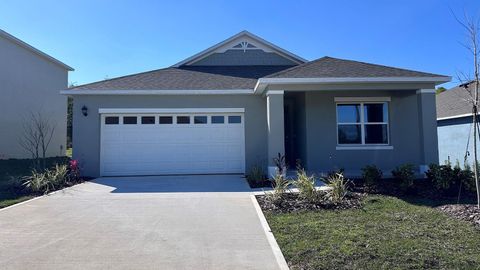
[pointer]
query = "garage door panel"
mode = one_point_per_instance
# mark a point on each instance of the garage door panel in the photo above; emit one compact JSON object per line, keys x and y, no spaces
{"x":141,"y":149}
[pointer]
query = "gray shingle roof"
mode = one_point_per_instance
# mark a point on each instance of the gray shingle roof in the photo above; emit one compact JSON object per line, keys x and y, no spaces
{"x":245,"y":77}
{"x":329,"y":67}
{"x":188,"y":78}
{"x":454,"y":102}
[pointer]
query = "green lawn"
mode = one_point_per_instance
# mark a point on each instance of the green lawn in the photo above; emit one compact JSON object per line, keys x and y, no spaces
{"x":388,"y":233}
{"x":8,"y":202}
{"x":11,"y":173}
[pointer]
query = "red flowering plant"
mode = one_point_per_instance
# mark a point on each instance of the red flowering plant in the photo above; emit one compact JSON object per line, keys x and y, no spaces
{"x":74,"y":170}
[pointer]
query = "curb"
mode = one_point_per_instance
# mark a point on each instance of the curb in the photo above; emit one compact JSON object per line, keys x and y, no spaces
{"x":277,"y":252}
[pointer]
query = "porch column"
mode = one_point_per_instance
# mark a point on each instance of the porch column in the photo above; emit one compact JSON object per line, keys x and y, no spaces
{"x":427,"y":116}
{"x":275,"y":121}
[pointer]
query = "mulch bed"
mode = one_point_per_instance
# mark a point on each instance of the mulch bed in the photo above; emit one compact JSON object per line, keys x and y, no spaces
{"x":467,"y":212}
{"x":292,"y":202}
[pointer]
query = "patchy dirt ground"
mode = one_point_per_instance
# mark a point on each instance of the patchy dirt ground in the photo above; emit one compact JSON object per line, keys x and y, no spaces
{"x":292,"y":202}
{"x":467,"y":212}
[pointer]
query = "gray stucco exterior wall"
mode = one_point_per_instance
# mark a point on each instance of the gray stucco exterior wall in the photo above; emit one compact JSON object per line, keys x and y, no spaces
{"x":30,"y":83}
{"x":276,"y":135}
{"x":453,"y":138}
{"x":86,"y":130}
{"x":315,"y":119}
{"x":321,"y":139}
{"x":244,"y":58}
{"x":428,"y":127}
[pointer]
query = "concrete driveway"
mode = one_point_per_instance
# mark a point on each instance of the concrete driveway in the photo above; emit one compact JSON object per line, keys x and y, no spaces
{"x":180,"y":222}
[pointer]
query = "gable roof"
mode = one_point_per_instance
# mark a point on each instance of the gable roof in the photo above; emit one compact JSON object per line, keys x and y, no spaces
{"x":238,"y":38}
{"x":454,"y":103}
{"x":329,"y":67}
{"x":34,"y":50}
{"x":191,"y":75}
{"x":188,"y":78}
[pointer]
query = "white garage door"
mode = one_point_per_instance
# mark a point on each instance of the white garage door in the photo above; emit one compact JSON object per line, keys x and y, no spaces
{"x":172,"y":142}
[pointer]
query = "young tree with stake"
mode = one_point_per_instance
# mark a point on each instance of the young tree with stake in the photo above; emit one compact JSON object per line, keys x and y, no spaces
{"x":471,"y":86}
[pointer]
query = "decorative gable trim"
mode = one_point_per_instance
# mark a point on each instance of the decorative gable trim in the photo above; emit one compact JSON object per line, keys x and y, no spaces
{"x":242,"y":41}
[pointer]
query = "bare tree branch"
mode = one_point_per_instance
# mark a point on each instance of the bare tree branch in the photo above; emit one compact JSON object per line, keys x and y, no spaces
{"x":37,"y":135}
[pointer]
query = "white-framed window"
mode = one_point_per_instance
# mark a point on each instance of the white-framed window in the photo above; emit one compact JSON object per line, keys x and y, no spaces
{"x":362,"y":123}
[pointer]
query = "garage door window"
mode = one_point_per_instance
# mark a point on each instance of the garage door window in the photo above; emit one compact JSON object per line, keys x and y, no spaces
{"x":200,"y":119}
{"x":183,"y":119}
{"x":234,"y":119}
{"x":111,"y":120}
{"x":165,"y":120}
{"x":129,"y":120}
{"x":148,"y":120}
{"x":218,"y":119}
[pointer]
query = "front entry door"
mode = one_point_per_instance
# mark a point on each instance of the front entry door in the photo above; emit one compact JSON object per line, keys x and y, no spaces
{"x":290,"y":136}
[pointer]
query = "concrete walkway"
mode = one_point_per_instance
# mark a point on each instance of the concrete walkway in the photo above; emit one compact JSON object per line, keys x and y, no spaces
{"x":181,"y":222}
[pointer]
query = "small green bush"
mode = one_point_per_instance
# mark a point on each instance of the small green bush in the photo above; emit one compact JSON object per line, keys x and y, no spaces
{"x":37,"y":182}
{"x":48,"y":180}
{"x":441,"y":176}
{"x":371,"y":175}
{"x":280,"y":187}
{"x":405,"y":174}
{"x":449,"y":180}
{"x":467,"y":178}
{"x":305,"y":185}
{"x":256,"y":176}
{"x":338,"y":187}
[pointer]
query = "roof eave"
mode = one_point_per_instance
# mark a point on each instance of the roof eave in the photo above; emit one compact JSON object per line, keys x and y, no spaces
{"x":263,"y":83}
{"x":154,"y":92}
{"x":454,"y":116}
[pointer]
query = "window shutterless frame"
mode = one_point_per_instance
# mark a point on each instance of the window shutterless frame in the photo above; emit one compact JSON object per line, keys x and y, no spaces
{"x":363,"y":122}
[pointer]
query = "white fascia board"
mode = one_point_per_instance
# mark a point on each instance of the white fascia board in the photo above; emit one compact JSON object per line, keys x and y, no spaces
{"x":426,"y":91}
{"x":455,"y":116}
{"x":157,"y":92}
{"x":275,"y":92}
{"x":170,"y":110}
{"x":262,"y":83}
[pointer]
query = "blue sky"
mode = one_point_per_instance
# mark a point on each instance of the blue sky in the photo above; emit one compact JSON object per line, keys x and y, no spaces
{"x":101,"y":38}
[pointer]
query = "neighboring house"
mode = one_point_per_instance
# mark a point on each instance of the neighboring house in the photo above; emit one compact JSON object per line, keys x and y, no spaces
{"x":454,"y":120}
{"x":244,"y":100}
{"x":29,"y":83}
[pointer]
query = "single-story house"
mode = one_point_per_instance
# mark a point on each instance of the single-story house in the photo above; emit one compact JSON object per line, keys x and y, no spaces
{"x":29,"y":84}
{"x":242,"y":101}
{"x":455,"y":127}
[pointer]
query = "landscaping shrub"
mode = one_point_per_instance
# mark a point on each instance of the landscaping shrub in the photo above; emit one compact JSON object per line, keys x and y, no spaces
{"x":449,"y":181}
{"x":49,"y":180}
{"x":305,"y":185}
{"x":441,"y":176}
{"x":256,"y":176}
{"x":280,"y":164}
{"x":467,"y":179}
{"x":371,"y":175}
{"x":37,"y":182}
{"x":280,"y":187}
{"x":338,"y":187}
{"x":405,"y":175}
